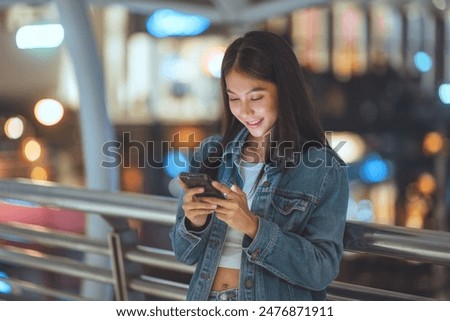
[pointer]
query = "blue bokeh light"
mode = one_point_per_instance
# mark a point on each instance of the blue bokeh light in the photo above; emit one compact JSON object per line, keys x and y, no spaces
{"x":5,"y":288}
{"x":423,"y":61}
{"x":175,"y":163}
{"x":170,"y":23}
{"x":374,"y":169}
{"x":444,"y":93}
{"x":215,"y":66}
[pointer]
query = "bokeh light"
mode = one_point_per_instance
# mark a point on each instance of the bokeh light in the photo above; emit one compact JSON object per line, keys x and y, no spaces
{"x":48,"y":111}
{"x":440,"y":4}
{"x":426,"y":183}
{"x":186,"y":136}
{"x":416,"y":211}
{"x":350,"y":146}
{"x":444,"y":93}
{"x":39,"y":173}
{"x":423,"y":61}
{"x":211,"y":61}
{"x":365,"y":211}
{"x":374,"y":169}
{"x":32,"y":150}
{"x":14,"y":127}
{"x":132,"y":179}
{"x":433,"y":143}
{"x":39,"y":36}
{"x":175,"y":163}
{"x":169,"y":23}
{"x":5,"y":287}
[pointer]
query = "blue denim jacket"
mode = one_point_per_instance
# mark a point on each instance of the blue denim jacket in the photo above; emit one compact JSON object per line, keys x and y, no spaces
{"x":297,"y":249}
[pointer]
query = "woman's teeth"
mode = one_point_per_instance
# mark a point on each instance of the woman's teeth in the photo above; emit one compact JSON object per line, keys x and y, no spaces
{"x":254,"y":123}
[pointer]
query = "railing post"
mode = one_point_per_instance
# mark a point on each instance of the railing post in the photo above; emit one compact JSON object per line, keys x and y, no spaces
{"x":119,"y":242}
{"x":96,"y":128}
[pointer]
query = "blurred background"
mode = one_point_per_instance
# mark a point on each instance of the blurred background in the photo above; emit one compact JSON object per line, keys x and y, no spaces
{"x":379,"y":73}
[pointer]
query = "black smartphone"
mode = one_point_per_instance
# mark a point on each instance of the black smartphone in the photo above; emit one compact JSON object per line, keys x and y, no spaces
{"x":201,"y":180}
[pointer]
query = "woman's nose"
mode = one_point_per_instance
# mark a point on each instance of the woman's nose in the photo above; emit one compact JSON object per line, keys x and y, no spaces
{"x":246,"y":109}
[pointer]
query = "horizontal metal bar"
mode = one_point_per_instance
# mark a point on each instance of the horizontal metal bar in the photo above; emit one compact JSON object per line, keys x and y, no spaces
{"x":164,"y":289}
{"x":399,"y":242}
{"x":153,"y":257}
{"x":353,"y":290}
{"x":52,"y":238}
{"x":145,"y":7}
{"x":38,"y":289}
{"x":37,"y":260}
{"x":393,"y":241}
{"x":158,"y":258}
{"x":332,"y":297}
{"x":157,"y":209}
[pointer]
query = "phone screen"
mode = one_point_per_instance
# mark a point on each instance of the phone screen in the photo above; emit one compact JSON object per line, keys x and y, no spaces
{"x":201,"y":180}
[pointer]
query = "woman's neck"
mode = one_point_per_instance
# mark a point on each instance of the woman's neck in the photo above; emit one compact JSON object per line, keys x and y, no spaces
{"x":254,"y":151}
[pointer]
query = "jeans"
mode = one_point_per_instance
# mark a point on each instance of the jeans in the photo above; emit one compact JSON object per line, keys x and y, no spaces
{"x":227,"y":295}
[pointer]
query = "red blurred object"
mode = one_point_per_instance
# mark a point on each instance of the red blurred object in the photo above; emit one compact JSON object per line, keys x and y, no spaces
{"x":58,"y":219}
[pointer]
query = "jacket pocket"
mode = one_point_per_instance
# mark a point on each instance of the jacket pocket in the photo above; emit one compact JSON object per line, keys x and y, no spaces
{"x":290,"y":210}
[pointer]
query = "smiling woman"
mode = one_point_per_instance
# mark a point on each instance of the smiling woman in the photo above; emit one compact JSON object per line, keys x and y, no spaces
{"x":277,"y":234}
{"x":253,"y":103}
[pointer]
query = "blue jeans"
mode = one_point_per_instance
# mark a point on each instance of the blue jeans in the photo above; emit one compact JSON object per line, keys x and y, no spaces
{"x":227,"y":295}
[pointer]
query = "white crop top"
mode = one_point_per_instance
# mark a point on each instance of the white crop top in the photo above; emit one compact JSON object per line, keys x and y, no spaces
{"x":232,"y":249}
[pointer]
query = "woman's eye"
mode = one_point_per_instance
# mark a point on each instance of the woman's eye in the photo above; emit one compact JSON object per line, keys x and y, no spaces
{"x":256,"y":98}
{"x":233,"y":99}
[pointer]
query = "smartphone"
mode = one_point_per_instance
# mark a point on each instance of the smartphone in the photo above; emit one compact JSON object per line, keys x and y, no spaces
{"x":201,"y":180}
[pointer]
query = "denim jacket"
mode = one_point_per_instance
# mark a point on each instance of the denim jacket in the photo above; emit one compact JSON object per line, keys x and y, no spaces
{"x":296,"y":252}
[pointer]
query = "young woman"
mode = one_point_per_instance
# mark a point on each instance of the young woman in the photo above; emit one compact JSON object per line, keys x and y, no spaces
{"x":277,"y":233}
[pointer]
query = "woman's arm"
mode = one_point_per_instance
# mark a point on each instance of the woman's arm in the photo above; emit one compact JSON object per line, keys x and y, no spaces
{"x":188,"y":243}
{"x":188,"y":240}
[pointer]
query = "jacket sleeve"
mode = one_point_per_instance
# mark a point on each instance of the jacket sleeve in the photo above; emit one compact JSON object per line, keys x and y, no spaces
{"x":311,"y":259}
{"x":189,"y":244}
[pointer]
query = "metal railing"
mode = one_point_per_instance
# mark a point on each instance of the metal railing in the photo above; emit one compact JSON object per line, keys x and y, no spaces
{"x":133,"y":272}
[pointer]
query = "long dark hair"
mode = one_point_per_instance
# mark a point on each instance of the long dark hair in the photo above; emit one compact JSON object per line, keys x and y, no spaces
{"x":266,"y":56}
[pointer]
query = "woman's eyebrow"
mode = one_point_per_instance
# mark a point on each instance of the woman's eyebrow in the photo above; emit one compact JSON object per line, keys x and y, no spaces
{"x":250,"y":91}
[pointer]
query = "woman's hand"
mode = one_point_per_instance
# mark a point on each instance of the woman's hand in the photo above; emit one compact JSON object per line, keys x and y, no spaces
{"x":195,"y":210}
{"x":234,"y":209}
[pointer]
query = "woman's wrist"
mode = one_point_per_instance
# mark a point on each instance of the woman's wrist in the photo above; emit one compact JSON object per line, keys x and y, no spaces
{"x":253,"y":227}
{"x":197,"y":227}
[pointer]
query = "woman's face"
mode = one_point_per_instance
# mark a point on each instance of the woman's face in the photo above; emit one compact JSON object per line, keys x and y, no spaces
{"x":253,"y":102}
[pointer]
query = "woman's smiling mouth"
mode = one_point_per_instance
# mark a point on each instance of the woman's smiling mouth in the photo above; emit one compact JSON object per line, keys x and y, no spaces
{"x":254,"y":123}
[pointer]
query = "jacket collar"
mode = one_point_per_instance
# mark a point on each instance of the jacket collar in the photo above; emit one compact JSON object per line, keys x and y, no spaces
{"x":234,"y":149}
